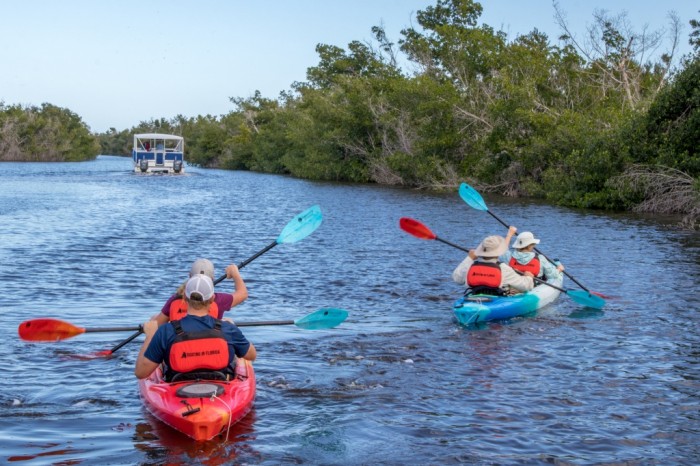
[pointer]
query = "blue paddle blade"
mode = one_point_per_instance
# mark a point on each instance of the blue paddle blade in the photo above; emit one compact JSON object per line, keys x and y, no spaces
{"x":586,"y":299}
{"x":472,"y":197}
{"x":301,"y":226}
{"x":323,"y":318}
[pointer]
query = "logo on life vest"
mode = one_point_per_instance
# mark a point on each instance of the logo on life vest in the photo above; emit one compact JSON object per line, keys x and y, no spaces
{"x":199,"y":354}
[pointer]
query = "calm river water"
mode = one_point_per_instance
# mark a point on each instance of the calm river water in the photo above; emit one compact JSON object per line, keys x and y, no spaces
{"x":399,"y":382}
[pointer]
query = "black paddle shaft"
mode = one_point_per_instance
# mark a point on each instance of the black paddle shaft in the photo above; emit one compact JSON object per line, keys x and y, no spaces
{"x":126,"y":341}
{"x":452,"y":244}
{"x":249,"y":260}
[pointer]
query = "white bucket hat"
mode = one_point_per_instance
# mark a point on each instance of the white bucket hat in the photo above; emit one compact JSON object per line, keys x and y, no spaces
{"x":492,"y":246}
{"x":524,"y":240}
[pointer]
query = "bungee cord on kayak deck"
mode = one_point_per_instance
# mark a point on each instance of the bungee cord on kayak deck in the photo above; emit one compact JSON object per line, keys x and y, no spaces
{"x":230,"y":416}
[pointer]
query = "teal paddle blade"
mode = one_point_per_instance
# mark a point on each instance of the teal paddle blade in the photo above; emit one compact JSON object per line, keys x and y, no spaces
{"x":586,"y":299}
{"x":323,"y":318}
{"x":472,"y":197}
{"x":301,"y":226}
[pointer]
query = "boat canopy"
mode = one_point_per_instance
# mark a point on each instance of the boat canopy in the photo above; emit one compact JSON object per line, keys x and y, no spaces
{"x":158,"y":141}
{"x":157,"y":136}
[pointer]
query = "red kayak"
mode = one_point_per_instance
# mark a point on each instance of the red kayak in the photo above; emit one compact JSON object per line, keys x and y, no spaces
{"x":200,"y":409}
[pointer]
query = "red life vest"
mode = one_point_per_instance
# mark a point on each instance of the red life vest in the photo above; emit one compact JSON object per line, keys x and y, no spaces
{"x":484,"y":274}
{"x":201,"y":350}
{"x":178,"y":309}
{"x":533,"y":266}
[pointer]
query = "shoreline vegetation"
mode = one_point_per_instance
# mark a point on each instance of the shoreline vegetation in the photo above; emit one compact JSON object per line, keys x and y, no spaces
{"x":591,"y":124}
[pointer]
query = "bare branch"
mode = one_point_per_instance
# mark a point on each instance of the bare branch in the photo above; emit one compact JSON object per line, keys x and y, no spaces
{"x":665,"y":190}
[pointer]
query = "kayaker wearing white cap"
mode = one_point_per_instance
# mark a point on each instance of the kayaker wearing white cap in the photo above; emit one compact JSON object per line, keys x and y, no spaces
{"x":525,"y":259}
{"x":483,"y":273}
{"x":197,"y":345}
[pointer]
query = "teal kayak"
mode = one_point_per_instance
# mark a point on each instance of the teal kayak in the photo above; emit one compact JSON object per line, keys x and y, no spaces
{"x":474,"y":309}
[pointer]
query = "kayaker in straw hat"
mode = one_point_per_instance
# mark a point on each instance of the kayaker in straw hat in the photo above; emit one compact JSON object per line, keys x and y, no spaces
{"x":483,"y":273}
{"x":198,"y":344}
{"x":525,"y":259}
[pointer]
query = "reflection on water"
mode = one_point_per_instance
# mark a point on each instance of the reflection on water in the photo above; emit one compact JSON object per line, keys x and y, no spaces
{"x":399,"y":382}
{"x":166,"y":445}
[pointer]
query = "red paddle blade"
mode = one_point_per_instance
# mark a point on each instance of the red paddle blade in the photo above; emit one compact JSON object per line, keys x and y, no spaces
{"x":47,"y":330}
{"x":416,"y":228}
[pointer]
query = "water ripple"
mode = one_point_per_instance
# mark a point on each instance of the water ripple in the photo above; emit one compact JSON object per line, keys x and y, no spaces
{"x":399,"y":382}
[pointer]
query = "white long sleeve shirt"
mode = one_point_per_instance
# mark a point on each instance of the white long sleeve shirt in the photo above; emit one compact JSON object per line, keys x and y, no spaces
{"x":509,"y":277}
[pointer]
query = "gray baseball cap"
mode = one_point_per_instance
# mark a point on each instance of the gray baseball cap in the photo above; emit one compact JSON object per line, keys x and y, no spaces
{"x":202,"y":266}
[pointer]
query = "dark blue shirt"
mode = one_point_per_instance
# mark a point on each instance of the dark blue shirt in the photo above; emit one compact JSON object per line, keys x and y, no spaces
{"x":159,"y":348}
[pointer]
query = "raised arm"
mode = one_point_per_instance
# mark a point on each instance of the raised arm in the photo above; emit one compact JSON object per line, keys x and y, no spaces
{"x":240,"y":292}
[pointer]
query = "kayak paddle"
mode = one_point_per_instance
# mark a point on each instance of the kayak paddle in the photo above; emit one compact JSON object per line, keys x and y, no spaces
{"x":419,"y":230}
{"x":323,"y":318}
{"x":475,"y":201}
{"x":584,"y":298}
{"x":48,"y":329}
{"x":297,"y":229}
{"x":301,"y":226}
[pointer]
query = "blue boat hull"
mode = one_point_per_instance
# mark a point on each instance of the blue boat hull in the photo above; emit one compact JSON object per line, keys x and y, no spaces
{"x":473,"y":309}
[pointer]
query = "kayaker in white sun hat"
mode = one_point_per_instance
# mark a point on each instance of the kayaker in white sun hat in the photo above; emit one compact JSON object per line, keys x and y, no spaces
{"x":524,"y":258}
{"x":483,"y":273}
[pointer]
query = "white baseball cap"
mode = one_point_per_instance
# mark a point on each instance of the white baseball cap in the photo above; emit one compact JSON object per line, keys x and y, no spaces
{"x":199,"y":287}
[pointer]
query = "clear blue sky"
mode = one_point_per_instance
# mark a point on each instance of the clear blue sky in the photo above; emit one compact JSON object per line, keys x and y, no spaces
{"x":119,"y":62}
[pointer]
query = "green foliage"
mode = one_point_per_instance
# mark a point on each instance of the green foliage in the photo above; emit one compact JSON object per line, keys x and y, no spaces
{"x":522,"y":117}
{"x":205,"y":140}
{"x":44,"y":134}
{"x":669,"y":132}
{"x":115,"y":142}
{"x":453,"y":44}
{"x":325,"y":133}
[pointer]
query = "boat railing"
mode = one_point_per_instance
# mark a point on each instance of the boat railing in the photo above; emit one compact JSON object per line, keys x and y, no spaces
{"x":151,"y":155}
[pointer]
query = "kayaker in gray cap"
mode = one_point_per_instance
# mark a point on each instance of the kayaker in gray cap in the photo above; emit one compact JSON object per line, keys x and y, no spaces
{"x":175,"y":307}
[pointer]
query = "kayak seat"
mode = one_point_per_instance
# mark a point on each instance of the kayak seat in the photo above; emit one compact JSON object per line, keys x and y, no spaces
{"x":200,"y":390}
{"x":202,"y":375}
